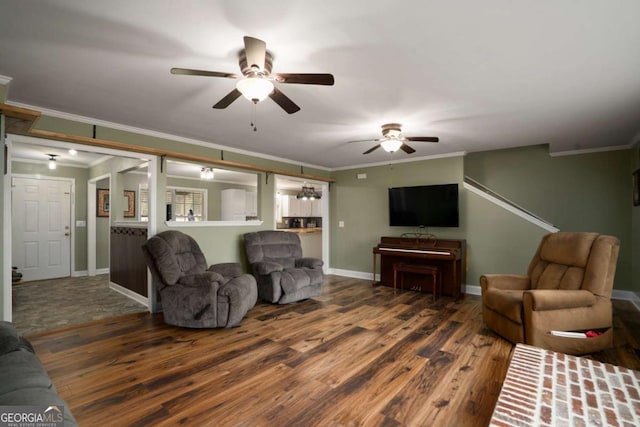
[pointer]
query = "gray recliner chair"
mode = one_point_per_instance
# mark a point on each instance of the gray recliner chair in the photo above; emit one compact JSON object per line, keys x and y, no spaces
{"x":283,"y":274}
{"x":193,"y":295}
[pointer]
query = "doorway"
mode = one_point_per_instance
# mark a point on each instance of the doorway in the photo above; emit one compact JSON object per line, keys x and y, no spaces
{"x":41,"y":227}
{"x":296,"y":211}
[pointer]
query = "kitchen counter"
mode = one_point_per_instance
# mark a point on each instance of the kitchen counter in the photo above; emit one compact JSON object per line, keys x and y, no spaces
{"x":302,"y":230}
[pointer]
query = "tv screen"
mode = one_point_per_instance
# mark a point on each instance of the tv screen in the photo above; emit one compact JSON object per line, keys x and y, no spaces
{"x":424,"y":206}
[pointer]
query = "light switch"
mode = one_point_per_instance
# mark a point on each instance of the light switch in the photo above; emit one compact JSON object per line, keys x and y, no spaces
{"x":341,"y":224}
{"x":81,"y":223}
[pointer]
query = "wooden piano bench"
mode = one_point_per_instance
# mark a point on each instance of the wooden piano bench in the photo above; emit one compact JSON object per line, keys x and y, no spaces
{"x":427,"y":270}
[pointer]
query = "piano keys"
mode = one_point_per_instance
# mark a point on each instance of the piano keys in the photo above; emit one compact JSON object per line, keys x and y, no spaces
{"x":448,"y":255}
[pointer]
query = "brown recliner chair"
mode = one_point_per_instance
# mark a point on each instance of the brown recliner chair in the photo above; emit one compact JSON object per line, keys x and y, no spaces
{"x":567,"y":288}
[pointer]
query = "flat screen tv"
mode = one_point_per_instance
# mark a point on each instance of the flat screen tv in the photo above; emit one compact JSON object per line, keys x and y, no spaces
{"x":424,"y":206}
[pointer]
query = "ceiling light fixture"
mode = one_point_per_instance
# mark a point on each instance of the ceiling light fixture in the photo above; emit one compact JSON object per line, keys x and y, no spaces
{"x":390,"y":145}
{"x":52,"y":161}
{"x":255,"y":88}
{"x":308,"y":193}
{"x":206,"y":173}
{"x":73,"y":152}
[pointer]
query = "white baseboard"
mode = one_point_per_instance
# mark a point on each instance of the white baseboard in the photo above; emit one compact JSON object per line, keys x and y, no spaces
{"x":128,"y":293}
{"x":473,"y":290}
{"x":627,"y":296}
{"x":81,"y":273}
{"x":476,"y":290}
{"x":353,"y":274}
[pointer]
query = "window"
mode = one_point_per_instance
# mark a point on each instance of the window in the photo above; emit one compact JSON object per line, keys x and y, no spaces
{"x":179,"y":202}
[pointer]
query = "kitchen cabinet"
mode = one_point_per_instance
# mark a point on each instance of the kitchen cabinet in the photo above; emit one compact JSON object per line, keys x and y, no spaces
{"x":237,"y":204}
{"x":294,"y":207}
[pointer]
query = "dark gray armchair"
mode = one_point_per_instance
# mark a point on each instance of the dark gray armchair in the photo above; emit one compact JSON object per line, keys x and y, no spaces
{"x":283,"y":274}
{"x":193,"y":295}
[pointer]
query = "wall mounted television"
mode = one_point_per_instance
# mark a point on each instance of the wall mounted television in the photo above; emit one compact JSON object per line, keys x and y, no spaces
{"x":424,"y":206}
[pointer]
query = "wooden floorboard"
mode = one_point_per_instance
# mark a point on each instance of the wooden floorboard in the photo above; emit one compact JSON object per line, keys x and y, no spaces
{"x":356,"y":355}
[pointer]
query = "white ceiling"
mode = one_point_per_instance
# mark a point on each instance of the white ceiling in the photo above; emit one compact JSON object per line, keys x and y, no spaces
{"x":478,"y":74}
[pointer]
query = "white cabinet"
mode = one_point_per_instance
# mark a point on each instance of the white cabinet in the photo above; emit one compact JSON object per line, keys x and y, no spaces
{"x":237,"y":204}
{"x":291,"y":206}
{"x":251,"y":208}
{"x":316,"y":208}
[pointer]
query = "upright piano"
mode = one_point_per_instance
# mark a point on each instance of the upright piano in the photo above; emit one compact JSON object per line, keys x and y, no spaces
{"x":447,"y":254}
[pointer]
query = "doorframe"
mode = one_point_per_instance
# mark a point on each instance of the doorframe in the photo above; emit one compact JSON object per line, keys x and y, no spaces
{"x":7,"y":299}
{"x":324,"y":205}
{"x":72,"y":213}
{"x":6,"y":219}
{"x":92,"y":232}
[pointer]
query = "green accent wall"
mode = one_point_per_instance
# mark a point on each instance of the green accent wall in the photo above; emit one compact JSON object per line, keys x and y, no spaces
{"x":362,"y":204}
{"x":581,"y":192}
{"x":635,"y":227}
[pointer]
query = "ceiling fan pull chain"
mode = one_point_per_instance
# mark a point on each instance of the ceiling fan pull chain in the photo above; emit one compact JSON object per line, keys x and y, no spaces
{"x":253,"y":118}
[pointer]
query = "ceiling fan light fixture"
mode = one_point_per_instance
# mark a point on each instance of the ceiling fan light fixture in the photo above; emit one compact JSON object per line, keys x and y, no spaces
{"x":255,"y":89}
{"x":391,"y":145}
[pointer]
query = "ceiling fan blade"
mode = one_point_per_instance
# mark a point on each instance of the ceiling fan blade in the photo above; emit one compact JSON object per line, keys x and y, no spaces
{"x":407,"y":149}
{"x":305,"y":79}
{"x":189,"y":72}
{"x":283,"y":101}
{"x":423,"y":138}
{"x":255,"y":50}
{"x":375,"y":147}
{"x":227,"y":100}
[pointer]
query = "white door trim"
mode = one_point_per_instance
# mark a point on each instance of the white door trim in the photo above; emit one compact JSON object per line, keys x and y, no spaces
{"x":7,"y":300}
{"x":72,"y":218}
{"x":92,"y":238}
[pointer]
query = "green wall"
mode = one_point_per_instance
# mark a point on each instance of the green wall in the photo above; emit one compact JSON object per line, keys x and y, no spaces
{"x":581,"y":192}
{"x":103,"y":233}
{"x":635,"y":227}
{"x":578,"y":192}
{"x":362,"y":204}
{"x":585,"y":192}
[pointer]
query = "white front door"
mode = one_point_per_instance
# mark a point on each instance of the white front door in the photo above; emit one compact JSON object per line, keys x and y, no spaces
{"x":41,"y":223}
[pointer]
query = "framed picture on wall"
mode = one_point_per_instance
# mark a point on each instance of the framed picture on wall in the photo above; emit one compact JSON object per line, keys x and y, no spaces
{"x":102,"y":205}
{"x":130,"y":204}
{"x":636,"y":188}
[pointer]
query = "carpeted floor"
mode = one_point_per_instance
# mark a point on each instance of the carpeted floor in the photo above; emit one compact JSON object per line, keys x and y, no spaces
{"x":46,"y":305}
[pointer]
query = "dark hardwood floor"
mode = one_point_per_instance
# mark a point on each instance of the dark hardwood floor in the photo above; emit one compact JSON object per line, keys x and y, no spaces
{"x":357,"y":355}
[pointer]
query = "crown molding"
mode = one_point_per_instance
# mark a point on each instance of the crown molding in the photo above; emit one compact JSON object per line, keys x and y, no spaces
{"x":399,"y":161}
{"x":156,"y":134}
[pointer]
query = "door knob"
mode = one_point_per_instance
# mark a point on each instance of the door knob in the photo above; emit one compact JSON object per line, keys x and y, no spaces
{"x":66,"y":234}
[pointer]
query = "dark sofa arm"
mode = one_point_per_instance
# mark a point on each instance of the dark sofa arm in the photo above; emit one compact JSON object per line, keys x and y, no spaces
{"x":309,"y":262}
{"x":200,"y":280}
{"x":227,"y":270}
{"x":265,"y":268}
